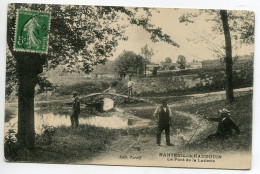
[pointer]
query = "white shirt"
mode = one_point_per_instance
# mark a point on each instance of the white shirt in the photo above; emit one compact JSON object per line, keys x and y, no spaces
{"x":130,"y":84}
{"x":156,"y":112}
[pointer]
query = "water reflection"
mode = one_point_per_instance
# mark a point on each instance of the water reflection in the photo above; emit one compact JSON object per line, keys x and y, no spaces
{"x":56,"y":120}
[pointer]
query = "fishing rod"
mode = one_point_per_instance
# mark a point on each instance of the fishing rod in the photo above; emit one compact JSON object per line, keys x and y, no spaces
{"x":195,"y":130}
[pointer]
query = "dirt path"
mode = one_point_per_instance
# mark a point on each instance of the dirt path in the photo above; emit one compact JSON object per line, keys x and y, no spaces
{"x":128,"y":149}
{"x":145,"y":99}
{"x":195,"y":99}
{"x":133,"y":150}
{"x":198,"y":126}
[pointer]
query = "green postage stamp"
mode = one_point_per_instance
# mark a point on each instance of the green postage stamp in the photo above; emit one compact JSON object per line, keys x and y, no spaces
{"x":31,"y":33}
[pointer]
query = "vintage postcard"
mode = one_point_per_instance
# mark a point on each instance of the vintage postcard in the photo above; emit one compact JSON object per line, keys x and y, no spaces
{"x":134,"y":86}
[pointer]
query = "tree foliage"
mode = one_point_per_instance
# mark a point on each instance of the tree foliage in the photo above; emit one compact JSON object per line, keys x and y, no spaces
{"x":81,"y":36}
{"x":241,"y":25}
{"x":168,"y":60}
{"x":236,"y":26}
{"x":128,"y":63}
{"x":147,"y":53}
{"x":182,"y":61}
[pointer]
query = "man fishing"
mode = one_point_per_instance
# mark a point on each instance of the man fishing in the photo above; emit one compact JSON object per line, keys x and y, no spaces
{"x":225,"y":125}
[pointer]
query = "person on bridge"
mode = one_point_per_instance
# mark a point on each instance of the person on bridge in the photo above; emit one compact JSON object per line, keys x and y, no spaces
{"x":225,"y":125}
{"x":130,"y":85}
{"x":163,"y":116}
{"x":74,"y":118}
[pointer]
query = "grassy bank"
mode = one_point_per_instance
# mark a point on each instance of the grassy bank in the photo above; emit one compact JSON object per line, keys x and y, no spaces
{"x":67,"y":145}
{"x":241,"y":114}
{"x":176,"y":83}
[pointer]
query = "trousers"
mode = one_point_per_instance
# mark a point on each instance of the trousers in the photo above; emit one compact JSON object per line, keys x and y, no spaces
{"x":130,"y":91}
{"x":160,"y":129}
{"x":74,"y":118}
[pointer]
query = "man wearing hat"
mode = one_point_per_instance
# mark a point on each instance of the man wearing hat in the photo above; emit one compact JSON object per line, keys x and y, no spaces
{"x":162,"y":116}
{"x":225,"y":125}
{"x":74,"y":118}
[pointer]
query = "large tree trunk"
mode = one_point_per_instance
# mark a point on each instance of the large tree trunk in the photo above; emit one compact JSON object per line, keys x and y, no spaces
{"x":26,"y":132}
{"x":228,"y":60}
{"x":28,"y":66}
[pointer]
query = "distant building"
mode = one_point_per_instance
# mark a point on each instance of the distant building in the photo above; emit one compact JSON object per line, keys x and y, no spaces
{"x":169,"y":66}
{"x":150,"y":67}
{"x":194,"y":65}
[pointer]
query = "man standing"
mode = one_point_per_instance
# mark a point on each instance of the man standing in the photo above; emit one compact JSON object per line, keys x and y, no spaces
{"x":130,"y":85}
{"x":74,"y":118}
{"x":225,"y":125}
{"x":162,"y":116}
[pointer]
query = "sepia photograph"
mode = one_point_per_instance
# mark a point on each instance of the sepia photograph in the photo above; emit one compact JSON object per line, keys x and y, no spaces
{"x":129,"y":86}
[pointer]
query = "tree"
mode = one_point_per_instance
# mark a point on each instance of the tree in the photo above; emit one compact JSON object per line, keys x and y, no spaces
{"x":182,"y":61}
{"x":242,"y":25}
{"x":79,"y":36}
{"x":127,"y":63}
{"x":168,"y":60}
{"x":147,"y":55}
{"x":106,"y":68}
{"x":228,"y":49}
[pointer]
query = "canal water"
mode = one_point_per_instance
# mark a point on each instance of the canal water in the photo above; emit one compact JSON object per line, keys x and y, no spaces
{"x":115,"y":120}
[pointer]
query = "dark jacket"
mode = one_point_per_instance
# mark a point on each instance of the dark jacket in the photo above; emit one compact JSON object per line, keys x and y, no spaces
{"x":225,"y":126}
{"x":76,"y":106}
{"x":164,"y":117}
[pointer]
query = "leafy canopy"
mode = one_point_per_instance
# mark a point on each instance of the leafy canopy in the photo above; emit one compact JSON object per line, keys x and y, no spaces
{"x":79,"y":36}
{"x":127,"y":63}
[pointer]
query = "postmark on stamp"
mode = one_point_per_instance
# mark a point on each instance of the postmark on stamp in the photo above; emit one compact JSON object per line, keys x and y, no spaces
{"x":31,"y":34}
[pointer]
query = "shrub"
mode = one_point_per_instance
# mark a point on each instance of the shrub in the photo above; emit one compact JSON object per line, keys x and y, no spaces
{"x":82,"y":88}
{"x":47,"y":137}
{"x":10,"y":145}
{"x":114,"y":83}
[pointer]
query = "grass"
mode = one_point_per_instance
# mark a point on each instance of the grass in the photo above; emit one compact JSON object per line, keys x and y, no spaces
{"x":82,"y":88}
{"x":144,"y":113}
{"x":241,"y":114}
{"x":86,"y":142}
{"x":69,"y":145}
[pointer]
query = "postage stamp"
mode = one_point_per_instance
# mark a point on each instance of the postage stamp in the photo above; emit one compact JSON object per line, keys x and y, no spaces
{"x":31,"y":33}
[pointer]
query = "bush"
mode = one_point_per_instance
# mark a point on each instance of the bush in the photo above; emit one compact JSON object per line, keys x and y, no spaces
{"x":114,"y":83}
{"x":244,"y":78}
{"x":43,"y":84}
{"x":47,"y":137}
{"x":83,"y":88}
{"x":10,"y":145}
{"x":216,"y":80}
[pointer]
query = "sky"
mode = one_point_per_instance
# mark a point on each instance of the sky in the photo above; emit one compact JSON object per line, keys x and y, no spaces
{"x":188,"y":36}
